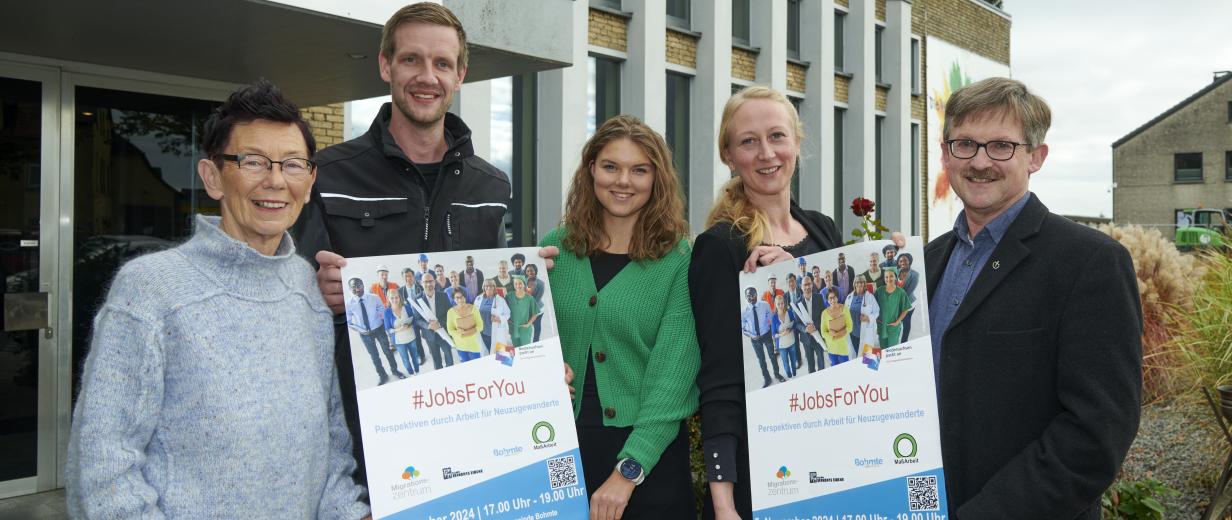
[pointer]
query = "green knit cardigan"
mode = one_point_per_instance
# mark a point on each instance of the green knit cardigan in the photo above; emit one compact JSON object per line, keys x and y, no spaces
{"x":642,"y":322}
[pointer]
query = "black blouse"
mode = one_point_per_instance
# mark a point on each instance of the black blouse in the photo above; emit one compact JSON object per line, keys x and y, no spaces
{"x":714,"y":278}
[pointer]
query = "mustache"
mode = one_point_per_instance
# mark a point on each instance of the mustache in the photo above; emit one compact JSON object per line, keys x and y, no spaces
{"x":981,"y":174}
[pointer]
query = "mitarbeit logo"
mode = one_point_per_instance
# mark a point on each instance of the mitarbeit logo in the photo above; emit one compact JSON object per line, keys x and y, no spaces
{"x":544,"y":435}
{"x":782,"y":472}
{"x":905,"y":449}
{"x":409,"y":473}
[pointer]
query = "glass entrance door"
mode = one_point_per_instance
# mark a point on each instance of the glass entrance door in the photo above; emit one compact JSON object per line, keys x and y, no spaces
{"x":28,"y":246}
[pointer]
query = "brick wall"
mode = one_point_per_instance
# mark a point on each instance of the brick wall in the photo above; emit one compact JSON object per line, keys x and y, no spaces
{"x":681,"y":48}
{"x":744,"y":64}
{"x":917,"y":107}
{"x":795,"y":76}
{"x":327,"y":122}
{"x":841,"y":84}
{"x":841,"y":2}
{"x":879,"y":98}
{"x":879,"y":11}
{"x":608,"y":30}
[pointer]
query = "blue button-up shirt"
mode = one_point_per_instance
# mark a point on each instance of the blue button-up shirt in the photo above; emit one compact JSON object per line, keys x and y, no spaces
{"x":966,"y":261}
{"x":375,"y":311}
{"x":760,"y":311}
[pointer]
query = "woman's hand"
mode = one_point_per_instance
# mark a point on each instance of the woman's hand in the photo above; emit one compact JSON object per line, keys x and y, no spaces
{"x":609,"y":501}
{"x":495,"y":319}
{"x":721,"y":495}
{"x":765,"y":255}
{"x":548,"y":254}
{"x":329,"y":279}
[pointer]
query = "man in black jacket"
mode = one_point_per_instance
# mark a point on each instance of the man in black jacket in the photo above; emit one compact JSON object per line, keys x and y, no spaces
{"x":1036,"y":326}
{"x":412,"y":183}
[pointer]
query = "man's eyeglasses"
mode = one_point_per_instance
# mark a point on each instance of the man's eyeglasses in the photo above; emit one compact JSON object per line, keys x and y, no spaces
{"x":256,"y":165}
{"x":996,"y":150}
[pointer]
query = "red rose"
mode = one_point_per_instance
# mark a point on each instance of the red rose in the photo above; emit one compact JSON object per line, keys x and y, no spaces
{"x":862,"y":206}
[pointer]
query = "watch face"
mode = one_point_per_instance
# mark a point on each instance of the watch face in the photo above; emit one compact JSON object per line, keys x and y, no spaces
{"x":630,"y":469}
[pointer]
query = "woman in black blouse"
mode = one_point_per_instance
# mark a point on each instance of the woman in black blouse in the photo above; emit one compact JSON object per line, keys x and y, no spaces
{"x":754,"y":222}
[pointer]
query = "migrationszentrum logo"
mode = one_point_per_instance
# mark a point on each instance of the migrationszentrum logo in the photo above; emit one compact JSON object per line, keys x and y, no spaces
{"x":783,"y":472}
{"x":409,"y":473}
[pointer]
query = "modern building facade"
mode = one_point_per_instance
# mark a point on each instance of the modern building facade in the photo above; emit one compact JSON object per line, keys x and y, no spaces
{"x":1181,"y":159}
{"x":101,"y":106}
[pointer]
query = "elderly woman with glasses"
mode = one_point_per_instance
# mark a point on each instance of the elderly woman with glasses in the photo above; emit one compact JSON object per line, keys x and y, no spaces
{"x":210,"y":389}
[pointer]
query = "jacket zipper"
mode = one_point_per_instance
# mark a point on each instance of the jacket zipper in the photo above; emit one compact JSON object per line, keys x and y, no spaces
{"x":449,"y":230}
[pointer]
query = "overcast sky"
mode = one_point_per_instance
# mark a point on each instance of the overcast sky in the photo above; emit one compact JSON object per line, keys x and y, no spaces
{"x":1106,"y":67}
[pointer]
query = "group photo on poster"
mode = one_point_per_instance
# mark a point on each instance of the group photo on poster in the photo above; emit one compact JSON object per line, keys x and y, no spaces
{"x":460,"y":381}
{"x":837,"y":353}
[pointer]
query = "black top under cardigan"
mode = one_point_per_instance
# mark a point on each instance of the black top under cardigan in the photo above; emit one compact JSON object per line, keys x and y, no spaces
{"x":714,"y":288}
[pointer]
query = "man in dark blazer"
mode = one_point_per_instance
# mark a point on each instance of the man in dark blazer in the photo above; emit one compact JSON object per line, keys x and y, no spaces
{"x":1036,"y":326}
{"x":439,"y":304}
{"x":810,"y":304}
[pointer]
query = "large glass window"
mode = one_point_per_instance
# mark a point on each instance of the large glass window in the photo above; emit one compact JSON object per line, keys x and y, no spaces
{"x":678,"y":14}
{"x":677,"y":134}
{"x":20,"y":212}
{"x":840,"y":21}
{"x":1187,"y":167}
{"x":136,"y":188}
{"x":877,"y":52}
{"x":603,"y":92}
{"x":793,"y":29}
{"x":840,"y":115}
{"x":741,"y":32}
{"x":513,"y":152}
{"x":1227,"y":166}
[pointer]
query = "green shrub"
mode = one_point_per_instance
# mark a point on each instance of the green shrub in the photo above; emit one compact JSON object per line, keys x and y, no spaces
{"x":1135,"y":500}
{"x":1206,"y":338}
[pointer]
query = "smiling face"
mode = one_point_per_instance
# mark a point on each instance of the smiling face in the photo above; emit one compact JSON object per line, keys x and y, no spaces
{"x":842,"y":261}
{"x":624,"y":177}
{"x":903,"y":263}
{"x":519,"y":286}
{"x":257,"y":207}
{"x":873,"y":262}
{"x":762,"y":147}
{"x":383,"y":277}
{"x":459,"y":298}
{"x":357,"y":287}
{"x":987,"y":187}
{"x":429,"y":283}
{"x":423,"y":72}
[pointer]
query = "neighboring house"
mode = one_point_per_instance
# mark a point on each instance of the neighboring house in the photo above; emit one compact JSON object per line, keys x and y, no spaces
{"x":1180,"y":159}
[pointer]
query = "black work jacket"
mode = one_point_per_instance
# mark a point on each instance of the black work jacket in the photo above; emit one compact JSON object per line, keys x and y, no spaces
{"x":370,"y":199}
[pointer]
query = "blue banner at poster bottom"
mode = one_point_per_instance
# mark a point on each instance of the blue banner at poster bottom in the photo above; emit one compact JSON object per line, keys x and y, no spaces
{"x":524,"y":493}
{"x":914,"y":497}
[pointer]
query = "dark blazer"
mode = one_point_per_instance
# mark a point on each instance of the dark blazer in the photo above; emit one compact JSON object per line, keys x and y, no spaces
{"x":851,"y":278}
{"x":815,"y":307}
{"x":714,"y":288}
{"x":443,"y":303}
{"x":1040,"y":371}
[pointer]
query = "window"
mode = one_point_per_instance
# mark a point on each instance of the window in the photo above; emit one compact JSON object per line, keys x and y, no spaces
{"x":839,"y":115}
{"x":878,"y":133}
{"x":915,"y":66}
{"x":677,"y":135}
{"x":840,"y":19}
{"x":1227,"y":166}
{"x":678,"y":14}
{"x":915,"y":179}
{"x":1230,"y":112}
{"x":603,"y":92}
{"x":793,"y":29}
{"x":1187,"y":167}
{"x":741,"y":22}
{"x":877,"y":51}
{"x":513,"y":151}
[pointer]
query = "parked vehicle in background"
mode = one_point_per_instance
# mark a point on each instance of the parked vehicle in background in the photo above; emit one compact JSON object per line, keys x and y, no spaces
{"x":1202,"y":227}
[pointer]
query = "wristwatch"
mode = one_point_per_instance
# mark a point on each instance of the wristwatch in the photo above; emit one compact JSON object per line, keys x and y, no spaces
{"x":632,"y":470}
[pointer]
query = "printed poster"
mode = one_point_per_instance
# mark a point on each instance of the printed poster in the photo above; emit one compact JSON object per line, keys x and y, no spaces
{"x":841,"y":399}
{"x":463,"y":407}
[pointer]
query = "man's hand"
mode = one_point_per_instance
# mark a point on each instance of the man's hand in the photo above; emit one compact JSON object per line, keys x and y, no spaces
{"x":548,"y":254}
{"x":765,"y":255}
{"x":569,"y":380}
{"x":433,"y":325}
{"x":609,"y":501}
{"x":495,"y":319}
{"x":899,"y":239}
{"x":329,"y":279}
{"x":863,"y":318}
{"x":810,"y":328}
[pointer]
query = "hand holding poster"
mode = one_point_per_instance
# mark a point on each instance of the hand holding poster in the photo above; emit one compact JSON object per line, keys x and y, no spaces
{"x":841,"y":399}
{"x":459,"y":417}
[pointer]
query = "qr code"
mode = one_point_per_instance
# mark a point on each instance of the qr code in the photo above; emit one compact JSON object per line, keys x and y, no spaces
{"x":922,"y":493}
{"x":562,"y":472}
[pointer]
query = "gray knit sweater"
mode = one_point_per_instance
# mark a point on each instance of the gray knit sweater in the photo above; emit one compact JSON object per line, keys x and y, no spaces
{"x":210,"y":391}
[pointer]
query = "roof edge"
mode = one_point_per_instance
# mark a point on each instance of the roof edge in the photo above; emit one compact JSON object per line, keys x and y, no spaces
{"x":1193,"y":97}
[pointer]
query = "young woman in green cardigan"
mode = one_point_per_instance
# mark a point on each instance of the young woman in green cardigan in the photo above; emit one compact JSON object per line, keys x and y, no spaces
{"x":620,"y":288}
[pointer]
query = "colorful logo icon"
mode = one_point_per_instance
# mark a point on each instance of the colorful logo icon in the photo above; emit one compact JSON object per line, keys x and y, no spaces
{"x":783,"y":472}
{"x":905,"y":440}
{"x":543,"y":432}
{"x":409,"y":473}
{"x":871,"y":357}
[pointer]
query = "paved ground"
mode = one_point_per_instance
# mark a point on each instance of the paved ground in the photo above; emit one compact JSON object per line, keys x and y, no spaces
{"x":42,"y":506}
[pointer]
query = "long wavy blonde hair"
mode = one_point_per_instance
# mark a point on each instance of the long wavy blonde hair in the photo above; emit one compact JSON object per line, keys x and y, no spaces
{"x":733,"y":205}
{"x":661,"y":223}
